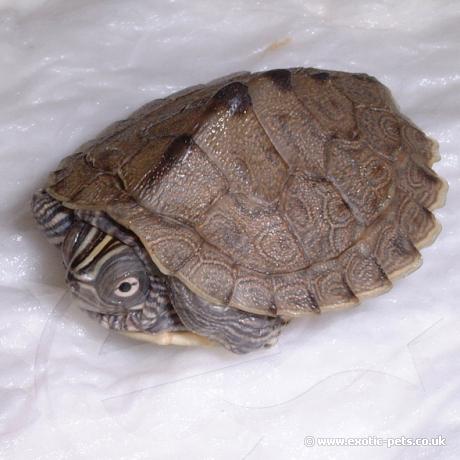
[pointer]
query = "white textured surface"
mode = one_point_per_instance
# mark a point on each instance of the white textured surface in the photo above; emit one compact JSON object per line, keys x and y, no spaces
{"x":68,"y":390}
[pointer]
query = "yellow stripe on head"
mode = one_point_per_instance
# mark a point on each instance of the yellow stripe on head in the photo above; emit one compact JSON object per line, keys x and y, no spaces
{"x":94,"y":253}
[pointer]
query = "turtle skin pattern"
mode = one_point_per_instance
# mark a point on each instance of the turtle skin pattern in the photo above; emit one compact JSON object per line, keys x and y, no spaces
{"x":279,"y":193}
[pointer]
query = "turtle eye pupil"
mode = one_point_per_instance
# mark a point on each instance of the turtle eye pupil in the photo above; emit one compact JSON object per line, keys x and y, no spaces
{"x":125,"y":286}
{"x":128,"y":287}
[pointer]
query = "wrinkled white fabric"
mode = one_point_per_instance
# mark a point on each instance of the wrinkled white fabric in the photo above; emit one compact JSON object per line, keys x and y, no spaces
{"x":71,"y":390}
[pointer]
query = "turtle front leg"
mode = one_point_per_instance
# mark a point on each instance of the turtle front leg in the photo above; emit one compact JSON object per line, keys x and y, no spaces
{"x":52,"y":217}
{"x":236,"y":330}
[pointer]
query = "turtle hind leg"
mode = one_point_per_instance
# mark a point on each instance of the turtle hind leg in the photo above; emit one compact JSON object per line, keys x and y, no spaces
{"x":236,"y":330}
{"x":52,"y":217}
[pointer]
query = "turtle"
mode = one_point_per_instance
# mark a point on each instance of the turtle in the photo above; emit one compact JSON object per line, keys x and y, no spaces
{"x":221,"y":212}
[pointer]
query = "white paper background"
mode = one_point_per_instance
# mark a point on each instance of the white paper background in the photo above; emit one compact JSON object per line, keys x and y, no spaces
{"x":70,"y":390}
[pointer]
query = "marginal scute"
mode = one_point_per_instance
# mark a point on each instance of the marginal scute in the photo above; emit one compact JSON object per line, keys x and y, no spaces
{"x":363,"y":272}
{"x":211,"y":272}
{"x":421,"y":148}
{"x":415,"y":221}
{"x":279,"y":192}
{"x":420,"y":182}
{"x":381,"y":130}
{"x":253,"y":291}
{"x":293,"y":294}
{"x":320,"y":286}
{"x":330,"y":286}
{"x":391,"y":247}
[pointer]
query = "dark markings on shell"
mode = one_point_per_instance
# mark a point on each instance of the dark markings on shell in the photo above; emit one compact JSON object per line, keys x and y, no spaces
{"x":234,"y":96}
{"x":281,"y":78}
{"x":172,"y":155}
{"x":321,"y":76}
{"x":364,"y":77}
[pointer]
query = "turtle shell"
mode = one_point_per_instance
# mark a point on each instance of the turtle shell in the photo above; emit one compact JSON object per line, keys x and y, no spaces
{"x":279,"y":192}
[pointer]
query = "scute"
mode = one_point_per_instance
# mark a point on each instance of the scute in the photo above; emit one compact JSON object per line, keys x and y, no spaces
{"x":279,"y":192}
{"x":257,"y":236}
{"x":296,"y":135}
{"x":363,"y":179}
{"x":330,"y":107}
{"x":319,"y":216}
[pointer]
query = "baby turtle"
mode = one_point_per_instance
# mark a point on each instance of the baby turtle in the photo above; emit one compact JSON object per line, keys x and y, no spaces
{"x":224,"y":210}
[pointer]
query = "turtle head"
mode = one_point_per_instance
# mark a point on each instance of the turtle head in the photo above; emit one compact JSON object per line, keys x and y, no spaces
{"x":100,"y":269}
{"x":104,"y":272}
{"x":116,"y":281}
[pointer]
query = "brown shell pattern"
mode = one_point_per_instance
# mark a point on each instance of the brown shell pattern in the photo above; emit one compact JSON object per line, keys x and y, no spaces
{"x":277,"y":192}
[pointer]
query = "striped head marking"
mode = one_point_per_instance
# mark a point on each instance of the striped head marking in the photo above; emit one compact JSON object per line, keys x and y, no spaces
{"x":104,"y":272}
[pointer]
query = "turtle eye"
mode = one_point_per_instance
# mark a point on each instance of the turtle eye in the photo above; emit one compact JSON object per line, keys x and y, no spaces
{"x":128,"y":287}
